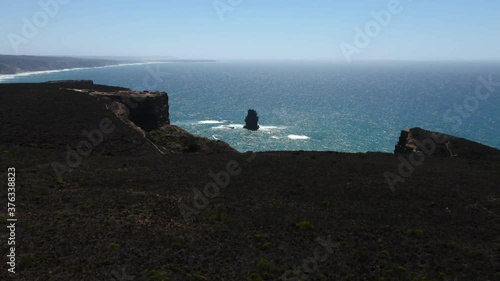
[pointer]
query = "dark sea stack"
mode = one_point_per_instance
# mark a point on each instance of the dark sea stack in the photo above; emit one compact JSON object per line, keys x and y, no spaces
{"x":252,"y":120}
{"x":438,"y":144}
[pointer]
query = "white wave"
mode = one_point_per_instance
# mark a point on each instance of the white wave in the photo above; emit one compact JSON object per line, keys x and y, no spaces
{"x":210,"y":122}
{"x":240,"y":126}
{"x":229,"y":126}
{"x":268,"y":128}
{"x":298,"y":137}
{"x":215,"y":138}
{"x":275,"y":137}
{"x":4,"y":77}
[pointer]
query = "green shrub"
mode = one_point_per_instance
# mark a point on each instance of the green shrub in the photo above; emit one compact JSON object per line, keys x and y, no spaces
{"x":304,"y":225}
{"x":254,"y":277}
{"x":114,"y":246}
{"x":415,"y":232}
{"x":158,"y":275}
{"x":196,"y":277}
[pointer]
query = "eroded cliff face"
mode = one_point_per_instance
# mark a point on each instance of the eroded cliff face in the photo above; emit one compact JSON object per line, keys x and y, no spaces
{"x":434,"y":143}
{"x":147,"y":110}
{"x":60,"y":115}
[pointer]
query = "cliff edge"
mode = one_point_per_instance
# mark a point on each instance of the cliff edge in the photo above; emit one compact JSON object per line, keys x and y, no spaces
{"x":65,"y":114}
{"x":438,"y":144}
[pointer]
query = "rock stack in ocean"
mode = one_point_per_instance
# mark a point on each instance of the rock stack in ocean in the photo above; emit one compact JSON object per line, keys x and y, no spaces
{"x":252,"y":120}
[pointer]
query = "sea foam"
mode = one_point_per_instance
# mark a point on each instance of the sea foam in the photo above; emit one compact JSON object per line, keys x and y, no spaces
{"x":298,"y":137}
{"x":210,"y":122}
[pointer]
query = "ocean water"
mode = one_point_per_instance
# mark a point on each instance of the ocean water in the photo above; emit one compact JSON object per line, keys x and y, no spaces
{"x":315,"y":106}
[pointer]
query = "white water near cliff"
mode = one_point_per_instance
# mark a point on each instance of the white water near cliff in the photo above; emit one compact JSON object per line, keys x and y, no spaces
{"x":313,"y":106}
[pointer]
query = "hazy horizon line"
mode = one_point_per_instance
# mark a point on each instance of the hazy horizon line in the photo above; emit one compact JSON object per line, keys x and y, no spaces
{"x":152,"y":57}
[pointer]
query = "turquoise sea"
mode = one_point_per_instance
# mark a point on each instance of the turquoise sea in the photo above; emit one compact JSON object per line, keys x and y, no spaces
{"x":355,"y":107}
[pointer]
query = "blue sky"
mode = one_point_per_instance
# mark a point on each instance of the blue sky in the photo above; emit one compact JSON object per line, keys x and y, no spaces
{"x":252,"y":29}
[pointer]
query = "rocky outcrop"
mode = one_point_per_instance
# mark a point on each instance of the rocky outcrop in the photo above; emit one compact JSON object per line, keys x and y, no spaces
{"x":172,"y":139}
{"x":148,"y":110}
{"x":433,"y":143}
{"x":63,"y":115}
{"x":252,"y":120}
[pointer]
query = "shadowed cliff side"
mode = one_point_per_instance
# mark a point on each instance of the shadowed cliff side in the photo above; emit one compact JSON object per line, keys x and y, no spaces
{"x":69,"y":112}
{"x":438,"y":144}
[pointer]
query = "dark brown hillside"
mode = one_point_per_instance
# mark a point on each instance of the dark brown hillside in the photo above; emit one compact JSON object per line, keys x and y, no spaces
{"x":129,"y":212}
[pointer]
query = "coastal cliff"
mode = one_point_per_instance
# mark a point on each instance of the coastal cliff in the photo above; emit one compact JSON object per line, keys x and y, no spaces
{"x":438,"y":144}
{"x":147,"y":110}
{"x":68,"y":111}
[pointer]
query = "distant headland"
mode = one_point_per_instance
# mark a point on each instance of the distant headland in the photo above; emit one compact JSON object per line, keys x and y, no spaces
{"x":12,"y":64}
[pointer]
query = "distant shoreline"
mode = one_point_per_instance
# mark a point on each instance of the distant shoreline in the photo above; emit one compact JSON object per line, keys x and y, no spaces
{"x":23,"y":65}
{"x":29,"y":73}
